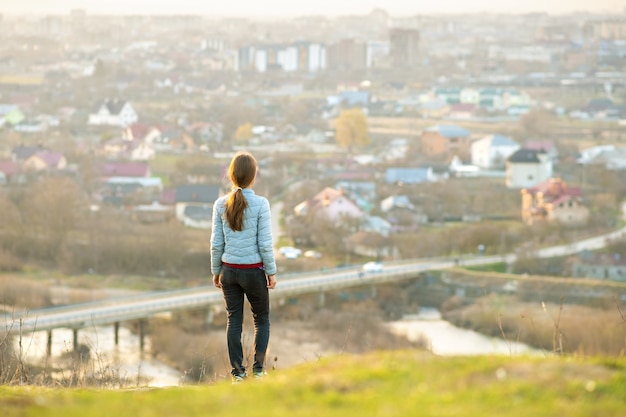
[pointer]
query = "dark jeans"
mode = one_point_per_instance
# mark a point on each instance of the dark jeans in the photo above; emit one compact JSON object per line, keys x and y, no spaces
{"x":253,"y":284}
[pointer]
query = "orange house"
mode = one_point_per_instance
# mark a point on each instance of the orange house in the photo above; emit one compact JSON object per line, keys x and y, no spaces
{"x":443,"y":142}
{"x":554,"y":200}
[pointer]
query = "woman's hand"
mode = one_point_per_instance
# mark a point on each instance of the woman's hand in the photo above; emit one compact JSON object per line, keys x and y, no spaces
{"x":216,"y":281}
{"x":271,"y":281}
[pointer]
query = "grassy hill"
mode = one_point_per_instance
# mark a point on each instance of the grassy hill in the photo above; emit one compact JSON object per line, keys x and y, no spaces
{"x":388,"y":384}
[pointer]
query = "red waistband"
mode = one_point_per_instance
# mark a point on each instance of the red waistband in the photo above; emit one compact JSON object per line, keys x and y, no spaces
{"x":244,"y":266}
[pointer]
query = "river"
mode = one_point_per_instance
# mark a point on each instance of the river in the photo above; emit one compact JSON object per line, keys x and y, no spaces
{"x":126,"y":361}
{"x":445,"y":339}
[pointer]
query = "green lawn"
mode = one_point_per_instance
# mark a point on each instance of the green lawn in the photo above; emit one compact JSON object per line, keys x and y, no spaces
{"x":386,"y":384}
{"x":500,"y":267}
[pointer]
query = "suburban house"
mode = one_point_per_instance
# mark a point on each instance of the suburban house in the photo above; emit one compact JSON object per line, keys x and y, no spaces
{"x":514,"y":98}
{"x":113,"y":112}
{"x":143,"y":189}
{"x":450,"y":95}
{"x":396,"y":149}
{"x":609,"y":156}
{"x":331,"y":203}
{"x":546,"y":146}
{"x":603,"y":108}
{"x":173,"y":138}
{"x":491,"y":152}
{"x":490,"y":98}
{"x":45,"y":160}
{"x":315,"y":136}
{"x":363,"y":193}
{"x":401,"y":213}
{"x":376,"y":224}
{"x":496,"y":99}
{"x":600,"y":266}
{"x":122,"y":194}
{"x":400,"y":176}
{"x":554,"y":200}
{"x":205,"y":133}
{"x":21,"y":153}
{"x":442,"y":142}
{"x":31,"y":126}
{"x":434,"y":109}
{"x":396,"y":202}
{"x":141,"y":131}
{"x":527,"y":168}
{"x":194,"y":204}
{"x":134,"y":150}
{"x":469,"y":95}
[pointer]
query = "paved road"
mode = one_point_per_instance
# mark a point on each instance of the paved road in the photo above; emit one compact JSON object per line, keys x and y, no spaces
{"x":593,"y":243}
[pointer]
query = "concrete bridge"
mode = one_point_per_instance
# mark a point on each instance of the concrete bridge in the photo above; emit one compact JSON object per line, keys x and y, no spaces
{"x":145,"y":306}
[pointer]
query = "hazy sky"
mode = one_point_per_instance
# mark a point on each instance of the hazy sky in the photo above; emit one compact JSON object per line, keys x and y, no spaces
{"x":286,"y":8}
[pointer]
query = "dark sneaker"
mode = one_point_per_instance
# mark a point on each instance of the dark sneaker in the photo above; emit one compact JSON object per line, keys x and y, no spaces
{"x":238,"y":378}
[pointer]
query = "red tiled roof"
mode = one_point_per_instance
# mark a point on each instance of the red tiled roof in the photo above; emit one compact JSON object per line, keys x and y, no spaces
{"x":328,"y":195}
{"x":539,"y":145}
{"x":555,"y":187}
{"x":139,"y":130}
{"x":50,"y":158}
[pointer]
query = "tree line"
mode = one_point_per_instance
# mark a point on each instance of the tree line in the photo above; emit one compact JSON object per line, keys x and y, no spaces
{"x":52,"y":224}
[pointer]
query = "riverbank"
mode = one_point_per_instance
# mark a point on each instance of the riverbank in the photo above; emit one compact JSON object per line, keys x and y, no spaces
{"x":445,"y":339}
{"x":551,"y":327}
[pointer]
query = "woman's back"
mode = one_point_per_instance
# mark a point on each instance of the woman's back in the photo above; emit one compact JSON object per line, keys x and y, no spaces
{"x":253,"y":244}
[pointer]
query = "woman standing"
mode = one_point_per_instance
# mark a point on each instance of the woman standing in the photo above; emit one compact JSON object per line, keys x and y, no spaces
{"x":242,"y":262}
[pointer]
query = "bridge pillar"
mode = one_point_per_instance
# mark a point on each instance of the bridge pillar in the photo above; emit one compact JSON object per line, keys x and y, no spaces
{"x":75,"y":339}
{"x":116,"y":332}
{"x":322,"y":299}
{"x":142,"y":334}
{"x":49,"y":344}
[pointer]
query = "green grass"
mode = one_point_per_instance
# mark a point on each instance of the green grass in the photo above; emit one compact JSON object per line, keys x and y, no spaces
{"x":500,"y":267}
{"x":389,"y":384}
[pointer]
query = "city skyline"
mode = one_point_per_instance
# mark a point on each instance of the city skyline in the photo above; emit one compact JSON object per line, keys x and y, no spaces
{"x":283,"y":8}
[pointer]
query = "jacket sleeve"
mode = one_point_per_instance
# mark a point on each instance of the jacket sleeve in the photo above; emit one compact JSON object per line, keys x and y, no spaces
{"x":264,"y":238}
{"x":217,"y":241}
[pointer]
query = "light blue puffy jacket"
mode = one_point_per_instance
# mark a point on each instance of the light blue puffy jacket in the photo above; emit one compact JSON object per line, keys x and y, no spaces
{"x":250,"y":246}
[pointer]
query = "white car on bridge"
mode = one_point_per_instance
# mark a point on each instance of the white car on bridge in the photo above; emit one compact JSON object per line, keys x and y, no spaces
{"x":290,"y":252}
{"x":371,"y":267}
